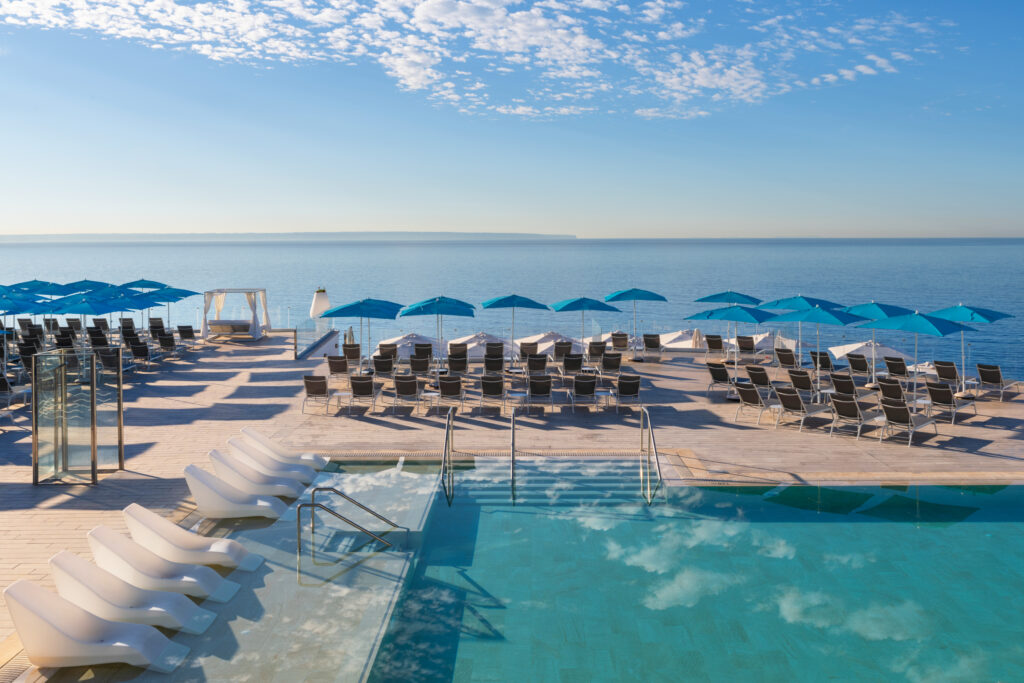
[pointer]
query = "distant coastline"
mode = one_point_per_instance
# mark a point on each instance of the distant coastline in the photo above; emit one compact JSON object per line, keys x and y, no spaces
{"x":354,"y":236}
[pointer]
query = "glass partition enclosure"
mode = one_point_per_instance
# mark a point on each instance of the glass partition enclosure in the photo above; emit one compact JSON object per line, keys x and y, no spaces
{"x":77,"y":408}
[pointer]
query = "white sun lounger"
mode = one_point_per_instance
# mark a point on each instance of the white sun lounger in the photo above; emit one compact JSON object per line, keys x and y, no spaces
{"x":129,"y":561}
{"x":218,"y":499}
{"x":171,"y":542}
{"x":236,"y":472}
{"x":55,"y":633}
{"x":317,"y":462}
{"x":258,"y":459}
{"x":100,"y":592}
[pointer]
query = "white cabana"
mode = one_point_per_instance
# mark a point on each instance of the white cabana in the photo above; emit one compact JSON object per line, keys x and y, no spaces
{"x":476,"y":344}
{"x":255,"y":327}
{"x":765,"y":341}
{"x":869,"y":349}
{"x":546,"y":342}
{"x":682,"y":339}
{"x":407,"y":343}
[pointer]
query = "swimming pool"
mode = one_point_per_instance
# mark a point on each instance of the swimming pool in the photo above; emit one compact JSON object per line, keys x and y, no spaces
{"x":580,"y":580}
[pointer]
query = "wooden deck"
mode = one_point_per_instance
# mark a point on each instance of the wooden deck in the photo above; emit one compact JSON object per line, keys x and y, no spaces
{"x":179,"y":411}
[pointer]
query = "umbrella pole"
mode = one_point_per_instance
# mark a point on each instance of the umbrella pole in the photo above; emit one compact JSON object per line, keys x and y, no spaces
{"x":369,"y":339}
{"x":817,"y":362}
{"x":582,"y":314}
{"x":799,"y":344}
{"x":963,"y":364}
{"x":915,"y":372}
{"x":634,"y":328}
{"x":512,"y":341}
{"x":874,"y":380}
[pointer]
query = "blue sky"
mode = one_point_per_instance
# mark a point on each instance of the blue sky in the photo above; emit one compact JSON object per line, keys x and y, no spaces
{"x":591,"y":117}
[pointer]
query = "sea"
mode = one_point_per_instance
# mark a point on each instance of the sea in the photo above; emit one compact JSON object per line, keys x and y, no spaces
{"x":920,"y":274}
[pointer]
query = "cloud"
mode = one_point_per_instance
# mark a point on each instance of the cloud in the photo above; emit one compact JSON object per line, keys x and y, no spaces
{"x":658,"y":58}
{"x":901,"y":621}
{"x":688,"y":587}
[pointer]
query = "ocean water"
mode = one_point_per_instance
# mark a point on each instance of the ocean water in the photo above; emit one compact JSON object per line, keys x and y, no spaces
{"x":920,"y":274}
{"x":579,"y":580}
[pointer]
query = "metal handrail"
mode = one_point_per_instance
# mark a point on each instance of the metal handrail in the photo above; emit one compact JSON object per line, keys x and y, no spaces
{"x":512,"y":453}
{"x":353,"y":501}
{"x":321,"y":506}
{"x":648,"y":449}
{"x":447,"y":466}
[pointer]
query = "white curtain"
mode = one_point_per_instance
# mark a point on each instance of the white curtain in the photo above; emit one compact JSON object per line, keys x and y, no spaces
{"x":206,"y":310}
{"x":266,"y":311}
{"x":254,"y":326}
{"x":218,"y":303}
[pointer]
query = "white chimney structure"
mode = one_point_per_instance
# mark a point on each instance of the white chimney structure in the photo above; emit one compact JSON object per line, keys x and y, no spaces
{"x":320,"y":303}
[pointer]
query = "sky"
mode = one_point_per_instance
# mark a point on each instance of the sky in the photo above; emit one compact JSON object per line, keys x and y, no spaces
{"x":598,"y":118}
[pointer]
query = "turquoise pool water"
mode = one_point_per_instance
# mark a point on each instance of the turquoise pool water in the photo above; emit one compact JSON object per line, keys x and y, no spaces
{"x":579,"y":580}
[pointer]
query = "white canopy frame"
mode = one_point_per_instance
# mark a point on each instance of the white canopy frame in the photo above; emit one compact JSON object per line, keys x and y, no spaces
{"x":258,"y":323}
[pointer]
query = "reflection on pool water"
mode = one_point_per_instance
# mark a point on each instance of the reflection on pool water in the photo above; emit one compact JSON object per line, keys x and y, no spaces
{"x":579,"y":580}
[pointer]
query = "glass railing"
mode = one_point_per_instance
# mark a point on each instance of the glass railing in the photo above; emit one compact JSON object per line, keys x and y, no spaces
{"x":311,"y":333}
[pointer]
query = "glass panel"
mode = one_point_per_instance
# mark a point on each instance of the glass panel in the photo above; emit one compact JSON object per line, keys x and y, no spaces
{"x":44,"y":415}
{"x":78,"y":438}
{"x":107,"y":423}
{"x":310,"y":333}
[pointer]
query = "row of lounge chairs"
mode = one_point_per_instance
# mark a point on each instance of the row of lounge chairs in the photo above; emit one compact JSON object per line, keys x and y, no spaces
{"x":409,"y":389}
{"x":897,"y":408}
{"x":108,"y":610}
{"x":251,"y":477}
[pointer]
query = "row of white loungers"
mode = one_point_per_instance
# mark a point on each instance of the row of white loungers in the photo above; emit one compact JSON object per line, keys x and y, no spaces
{"x":106,"y":612}
{"x":250,"y":476}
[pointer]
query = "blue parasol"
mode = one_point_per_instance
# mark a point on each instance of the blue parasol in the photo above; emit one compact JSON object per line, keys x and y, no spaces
{"x":514,"y":301}
{"x":439,"y":306}
{"x":582,"y":304}
{"x":365,"y":308}
{"x":634,"y":295}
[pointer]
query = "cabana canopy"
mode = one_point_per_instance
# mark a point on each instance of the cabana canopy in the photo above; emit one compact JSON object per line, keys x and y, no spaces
{"x":255,"y":327}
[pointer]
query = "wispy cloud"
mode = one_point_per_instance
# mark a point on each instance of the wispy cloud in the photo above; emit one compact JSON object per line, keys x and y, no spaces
{"x":658,"y":58}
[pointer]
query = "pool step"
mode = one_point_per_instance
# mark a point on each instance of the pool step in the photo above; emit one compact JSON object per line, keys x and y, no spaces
{"x":577,"y":482}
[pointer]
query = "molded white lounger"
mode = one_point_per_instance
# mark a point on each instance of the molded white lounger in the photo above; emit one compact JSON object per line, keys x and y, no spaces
{"x":218,"y":499}
{"x":127,"y":560}
{"x":317,"y":462}
{"x":236,"y":472}
{"x":171,"y":542}
{"x":100,"y":592}
{"x":58,"y":633}
{"x":258,"y":459}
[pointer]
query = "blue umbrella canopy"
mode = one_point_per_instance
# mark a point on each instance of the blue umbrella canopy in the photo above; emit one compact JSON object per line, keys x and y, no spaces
{"x":145,"y":284}
{"x":819,"y":316}
{"x":513,"y":301}
{"x":54,"y":289}
{"x":86,"y":285}
{"x":634,"y":295}
{"x":439,"y":306}
{"x":876,"y":311}
{"x":729,"y":297}
{"x":85,"y":306}
{"x":365,"y":308}
{"x":582,"y":304}
{"x":969,"y":314}
{"x":734,"y":314}
{"x":919,"y":323}
{"x":170,"y":294}
{"x":31,"y":286}
{"x":799,"y":303}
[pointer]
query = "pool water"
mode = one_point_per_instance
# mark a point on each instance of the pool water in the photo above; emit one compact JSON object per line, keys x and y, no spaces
{"x":580,"y":580}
